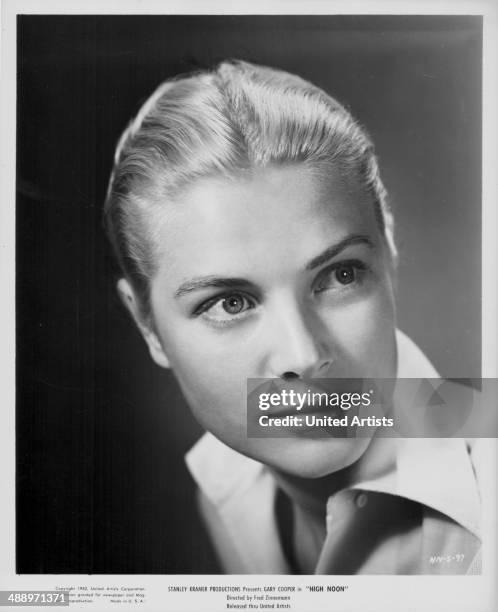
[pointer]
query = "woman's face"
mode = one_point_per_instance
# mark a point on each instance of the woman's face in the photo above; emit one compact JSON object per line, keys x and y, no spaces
{"x":280,"y":271}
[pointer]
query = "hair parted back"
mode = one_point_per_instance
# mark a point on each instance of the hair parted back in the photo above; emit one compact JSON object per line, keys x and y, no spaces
{"x":233,"y":119}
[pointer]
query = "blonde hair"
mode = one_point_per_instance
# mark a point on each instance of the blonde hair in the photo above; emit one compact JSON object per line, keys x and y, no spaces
{"x":235,"y":118}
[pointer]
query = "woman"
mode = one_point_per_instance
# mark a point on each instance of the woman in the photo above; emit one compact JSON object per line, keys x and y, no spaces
{"x":250,"y":222}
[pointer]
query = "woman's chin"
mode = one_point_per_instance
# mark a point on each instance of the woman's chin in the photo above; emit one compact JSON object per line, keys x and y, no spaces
{"x":313,"y":458}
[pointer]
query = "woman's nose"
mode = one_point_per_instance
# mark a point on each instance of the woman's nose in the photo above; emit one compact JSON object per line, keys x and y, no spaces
{"x":297,"y":345}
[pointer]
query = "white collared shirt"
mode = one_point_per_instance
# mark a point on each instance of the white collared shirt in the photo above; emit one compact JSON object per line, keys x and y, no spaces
{"x":419,"y":516}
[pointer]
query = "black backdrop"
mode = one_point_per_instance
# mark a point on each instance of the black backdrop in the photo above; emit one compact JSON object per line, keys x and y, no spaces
{"x":101,"y":431}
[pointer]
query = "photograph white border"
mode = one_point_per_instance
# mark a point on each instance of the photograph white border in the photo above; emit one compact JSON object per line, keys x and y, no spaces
{"x":477,"y":593}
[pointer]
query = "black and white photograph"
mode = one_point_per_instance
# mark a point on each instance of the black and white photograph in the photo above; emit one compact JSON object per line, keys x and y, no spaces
{"x":203,"y":199}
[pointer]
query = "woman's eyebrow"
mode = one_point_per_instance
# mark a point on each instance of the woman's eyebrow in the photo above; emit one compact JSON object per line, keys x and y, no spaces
{"x":335,"y":249}
{"x":203,"y":282}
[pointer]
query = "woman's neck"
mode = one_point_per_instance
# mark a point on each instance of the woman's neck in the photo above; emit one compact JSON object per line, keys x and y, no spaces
{"x":311,"y":494}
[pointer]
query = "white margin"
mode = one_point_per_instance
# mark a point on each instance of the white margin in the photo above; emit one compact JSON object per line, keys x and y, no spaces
{"x":476,"y":593}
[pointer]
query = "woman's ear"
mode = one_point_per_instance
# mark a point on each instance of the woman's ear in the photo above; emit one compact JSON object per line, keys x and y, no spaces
{"x":131,"y":302}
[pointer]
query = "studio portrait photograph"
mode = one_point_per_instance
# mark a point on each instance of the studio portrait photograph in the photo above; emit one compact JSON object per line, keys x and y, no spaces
{"x":206,"y":200}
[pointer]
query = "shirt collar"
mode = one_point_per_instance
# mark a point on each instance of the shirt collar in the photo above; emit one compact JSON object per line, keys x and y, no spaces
{"x":436,"y":472}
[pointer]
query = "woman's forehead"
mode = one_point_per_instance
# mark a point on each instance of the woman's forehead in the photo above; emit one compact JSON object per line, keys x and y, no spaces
{"x":288,"y":213}
{"x":278,"y":199}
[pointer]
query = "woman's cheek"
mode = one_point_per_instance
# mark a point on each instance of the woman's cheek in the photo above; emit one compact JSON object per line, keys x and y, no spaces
{"x":376,"y":334}
{"x":219,"y":407}
{"x":362,"y":335}
{"x":218,"y":358}
{"x":210,"y":369}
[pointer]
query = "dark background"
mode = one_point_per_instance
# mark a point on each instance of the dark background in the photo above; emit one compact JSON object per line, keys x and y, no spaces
{"x":101,"y":431}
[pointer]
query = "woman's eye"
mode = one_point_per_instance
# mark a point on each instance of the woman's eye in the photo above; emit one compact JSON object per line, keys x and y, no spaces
{"x":226,"y":308}
{"x":341,"y":276}
{"x":345,"y":275}
{"x":234,"y":304}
